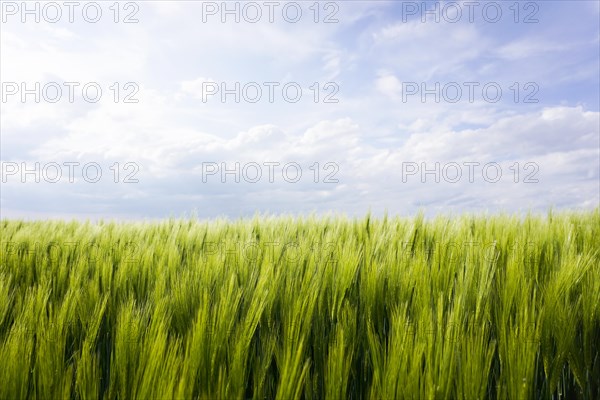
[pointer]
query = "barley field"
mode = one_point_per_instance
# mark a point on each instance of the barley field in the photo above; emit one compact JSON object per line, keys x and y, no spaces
{"x":461,"y":307}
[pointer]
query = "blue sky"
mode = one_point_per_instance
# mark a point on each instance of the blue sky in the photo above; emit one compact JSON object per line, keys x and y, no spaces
{"x":370,"y":147}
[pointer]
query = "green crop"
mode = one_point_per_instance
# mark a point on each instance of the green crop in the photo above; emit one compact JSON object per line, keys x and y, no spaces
{"x":466,"y":307}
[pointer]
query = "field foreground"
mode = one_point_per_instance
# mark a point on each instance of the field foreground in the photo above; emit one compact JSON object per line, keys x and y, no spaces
{"x":463,"y":307}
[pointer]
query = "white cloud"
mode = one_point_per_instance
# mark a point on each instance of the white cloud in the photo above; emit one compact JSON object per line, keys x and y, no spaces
{"x":389,"y":85}
{"x":369,"y":133}
{"x":528,"y":48}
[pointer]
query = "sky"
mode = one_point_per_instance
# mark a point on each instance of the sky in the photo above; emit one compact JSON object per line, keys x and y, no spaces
{"x":156,"y":109}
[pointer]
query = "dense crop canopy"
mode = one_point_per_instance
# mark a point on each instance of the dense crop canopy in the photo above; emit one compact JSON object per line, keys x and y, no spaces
{"x":462,"y":307}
